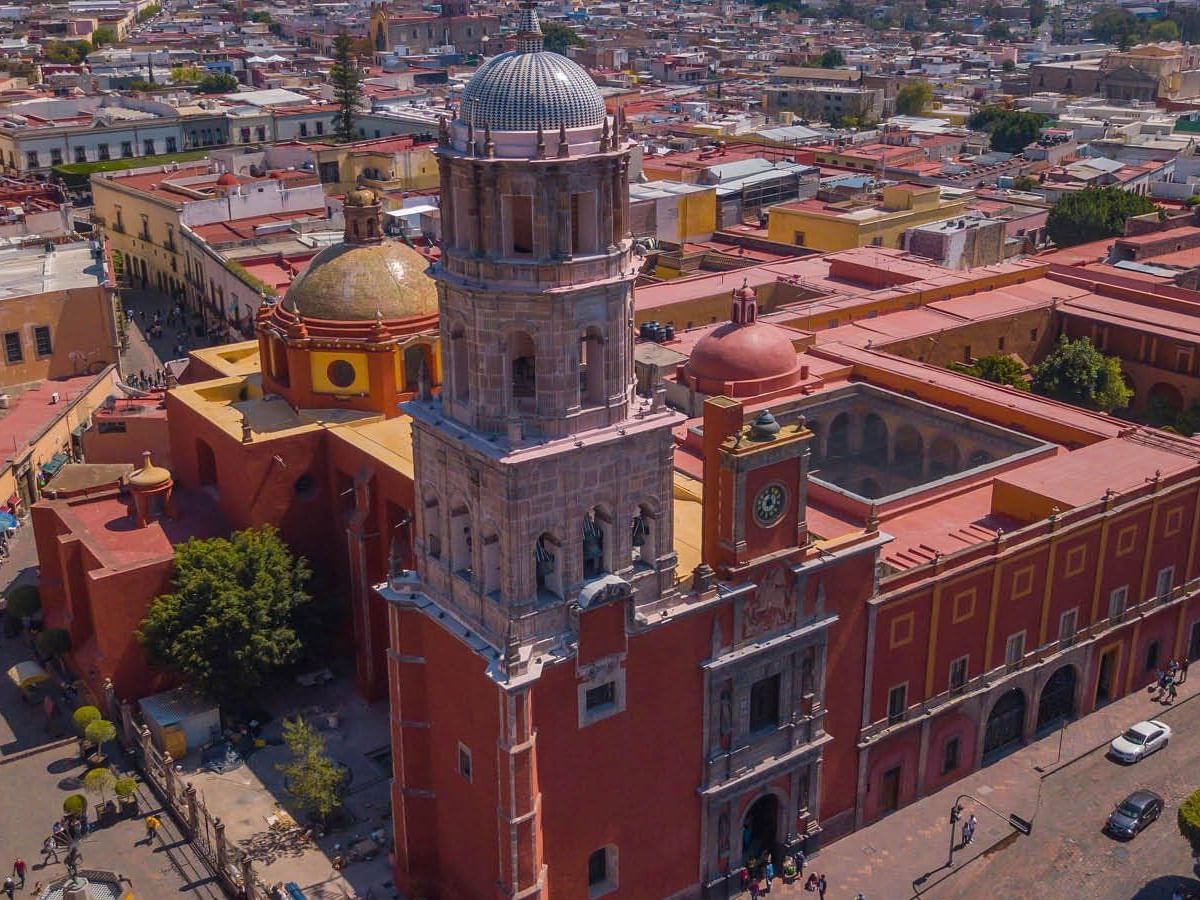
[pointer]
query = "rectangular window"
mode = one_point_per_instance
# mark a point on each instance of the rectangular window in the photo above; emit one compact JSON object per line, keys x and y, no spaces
{"x":148,"y":147}
{"x":126,"y":149}
{"x":110,"y":427}
{"x":55,"y":156}
{"x":12,"y":347}
{"x":172,"y":145}
{"x":1117,"y":600}
{"x":601,"y":696}
{"x":41,"y":340}
{"x":958,"y":673}
{"x":583,"y":223}
{"x":897,"y":702}
{"x":31,"y":159}
{"x":261,"y":132}
{"x":520,"y":224}
{"x":80,"y":154}
{"x":464,"y":761}
{"x":245,"y":135}
{"x":764,"y":703}
{"x":320,"y":128}
{"x":1067,"y":625}
{"x":950,"y":755}
{"x":102,"y":151}
{"x":303,"y":129}
{"x":1166,"y":580}
{"x":1014,"y":650}
{"x":145,"y":235}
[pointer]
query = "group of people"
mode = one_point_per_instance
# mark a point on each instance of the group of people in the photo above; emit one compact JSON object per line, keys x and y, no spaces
{"x":968,"y":830}
{"x":149,"y":381}
{"x":1165,"y":689}
{"x":758,"y":874}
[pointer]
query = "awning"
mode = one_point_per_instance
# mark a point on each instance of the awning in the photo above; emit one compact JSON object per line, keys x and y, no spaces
{"x":57,"y":461}
{"x":412,"y":211}
{"x":26,"y":674}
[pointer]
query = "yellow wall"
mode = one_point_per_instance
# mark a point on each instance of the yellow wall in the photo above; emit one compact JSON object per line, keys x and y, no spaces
{"x":108,"y":196}
{"x":83,"y":335}
{"x":320,"y":361}
{"x":415,"y":169}
{"x":697,"y":215}
{"x":830,"y":231}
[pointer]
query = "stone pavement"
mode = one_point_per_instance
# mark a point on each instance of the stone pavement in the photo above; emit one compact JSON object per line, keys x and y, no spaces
{"x":905,"y":854}
{"x":39,"y":767}
{"x":145,"y":353}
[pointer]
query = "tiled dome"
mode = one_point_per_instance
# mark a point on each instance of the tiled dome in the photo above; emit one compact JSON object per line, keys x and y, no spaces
{"x":354,"y":283}
{"x":519,"y":91}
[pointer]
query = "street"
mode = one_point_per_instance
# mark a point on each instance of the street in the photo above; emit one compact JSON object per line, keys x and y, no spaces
{"x":1069,"y":856}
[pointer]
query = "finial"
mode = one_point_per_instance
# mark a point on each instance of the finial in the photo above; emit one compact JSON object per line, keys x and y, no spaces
{"x":443,"y":132}
{"x":489,"y":148}
{"x":604,"y":147}
{"x":541,"y":143}
{"x":564,"y":149}
{"x":470,"y":136}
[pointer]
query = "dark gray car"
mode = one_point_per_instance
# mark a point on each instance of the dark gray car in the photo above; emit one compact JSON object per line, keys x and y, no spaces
{"x":1134,"y":813}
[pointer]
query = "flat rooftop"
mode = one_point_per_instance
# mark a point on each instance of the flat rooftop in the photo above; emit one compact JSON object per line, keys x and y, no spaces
{"x":31,"y":411}
{"x":33,"y":270}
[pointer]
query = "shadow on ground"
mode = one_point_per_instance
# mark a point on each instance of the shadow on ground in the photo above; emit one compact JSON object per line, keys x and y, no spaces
{"x":1163,"y":888}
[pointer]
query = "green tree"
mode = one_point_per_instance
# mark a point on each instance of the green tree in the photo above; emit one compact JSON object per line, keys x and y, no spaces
{"x":558,"y":37}
{"x":24,"y":600}
{"x":1077,"y":373}
{"x":1008,"y":66}
{"x":53,"y":642}
{"x":217,"y":83}
{"x":99,"y":781}
{"x":232,"y":617}
{"x":1037,"y":13}
{"x":102,"y":36}
{"x":913,"y":98}
{"x":262,"y":17}
{"x":1000,"y":368}
{"x":1114,"y":25}
{"x":69,"y":53}
{"x":149,"y":13}
{"x":917,"y":41}
{"x":832,"y":58}
{"x":313,"y":779}
{"x":1163,"y":31}
{"x":1188,"y":819}
{"x":347,"y":85}
{"x":74,"y":804}
{"x":1011,"y":130}
{"x":85,"y":716}
{"x":1093,"y":214}
{"x":100,"y":732}
{"x":1026,"y":183}
{"x":998,"y":31}
{"x":186,"y":75}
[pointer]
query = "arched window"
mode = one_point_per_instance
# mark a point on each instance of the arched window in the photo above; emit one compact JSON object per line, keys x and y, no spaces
{"x":459,"y":363}
{"x":523,"y":363}
{"x":591,"y":367}
{"x":433,"y":528}
{"x":546,"y":567}
{"x":597,"y":547}
{"x":461,"y":540}
{"x":490,"y":559}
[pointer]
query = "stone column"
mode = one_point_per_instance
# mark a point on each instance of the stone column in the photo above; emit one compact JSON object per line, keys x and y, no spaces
{"x":607,"y":214}
{"x":169,"y":777}
{"x":248,"y":878}
{"x":192,"y":807}
{"x":220,"y":850}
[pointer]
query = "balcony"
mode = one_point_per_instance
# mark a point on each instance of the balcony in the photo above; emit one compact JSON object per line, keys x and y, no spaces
{"x":1047,"y":653}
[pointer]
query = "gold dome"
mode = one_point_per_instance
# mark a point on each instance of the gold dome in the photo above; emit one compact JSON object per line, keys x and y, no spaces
{"x":354,"y":282}
{"x":149,"y":475}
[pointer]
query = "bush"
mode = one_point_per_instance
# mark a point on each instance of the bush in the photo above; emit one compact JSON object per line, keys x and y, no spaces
{"x":99,"y":781}
{"x":85,"y":716}
{"x":53,"y":642}
{"x":100,"y":732}
{"x":75,"y":805}
{"x":1189,"y":818}
{"x":24,"y":601}
{"x":125,"y":787}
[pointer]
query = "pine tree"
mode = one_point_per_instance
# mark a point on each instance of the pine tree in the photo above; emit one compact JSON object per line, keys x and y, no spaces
{"x":347,"y":85}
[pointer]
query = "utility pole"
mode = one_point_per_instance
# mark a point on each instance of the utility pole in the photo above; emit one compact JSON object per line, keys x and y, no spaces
{"x":955,"y":815}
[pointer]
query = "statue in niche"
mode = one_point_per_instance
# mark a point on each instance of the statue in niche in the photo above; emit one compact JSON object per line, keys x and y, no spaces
{"x":772,"y":608}
{"x":726,"y":710}
{"x":723,"y":834}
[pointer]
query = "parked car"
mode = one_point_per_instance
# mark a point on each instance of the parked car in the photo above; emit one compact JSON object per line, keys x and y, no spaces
{"x":1140,"y":741}
{"x":1134,"y":813}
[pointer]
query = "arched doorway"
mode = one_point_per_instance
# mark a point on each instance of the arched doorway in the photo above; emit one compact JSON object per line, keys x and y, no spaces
{"x":943,"y":457}
{"x":838,"y":445}
{"x":1004,"y":723}
{"x":760,"y":827}
{"x":909,"y":449}
{"x":874,"y":440}
{"x":206,"y":464}
{"x":1057,"y":702}
{"x":1166,"y":397}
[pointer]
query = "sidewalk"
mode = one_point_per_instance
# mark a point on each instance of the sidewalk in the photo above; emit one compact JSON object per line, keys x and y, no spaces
{"x":886,"y":860}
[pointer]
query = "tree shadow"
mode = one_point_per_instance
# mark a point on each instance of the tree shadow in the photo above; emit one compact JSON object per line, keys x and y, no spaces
{"x":66,"y":764}
{"x":1163,"y":887}
{"x":268,"y":846}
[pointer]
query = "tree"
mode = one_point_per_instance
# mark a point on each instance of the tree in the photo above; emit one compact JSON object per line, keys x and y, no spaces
{"x":998,"y":31}
{"x":1000,"y":368}
{"x":1008,"y":66}
{"x":66,"y":53}
{"x":53,"y":642}
{"x":347,"y":85}
{"x":1188,"y":819}
{"x":916,"y":41}
{"x":1093,"y":214}
{"x":262,"y":17}
{"x":1114,"y":25}
{"x":100,"y":732}
{"x":558,"y":37}
{"x":313,"y":779}
{"x":1037,"y":13}
{"x":85,"y":716}
{"x":1025,"y":183}
{"x":1077,"y":373}
{"x":232,"y":617}
{"x":74,"y":805}
{"x":186,"y":75}
{"x":913,"y":98}
{"x":217,"y":83}
{"x":1163,"y":31}
{"x":1011,"y":130}
{"x":149,"y":13}
{"x":99,"y":781}
{"x":103,"y":35}
{"x":24,"y":601}
{"x":832,"y":58}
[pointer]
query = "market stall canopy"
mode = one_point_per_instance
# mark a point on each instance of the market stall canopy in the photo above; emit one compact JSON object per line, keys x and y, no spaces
{"x":27,"y":673}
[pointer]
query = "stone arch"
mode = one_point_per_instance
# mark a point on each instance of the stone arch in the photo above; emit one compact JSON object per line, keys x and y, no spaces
{"x":908,"y":448}
{"x":431,"y":522}
{"x":417,"y":356}
{"x":1005,"y":723}
{"x":837,"y":444}
{"x":547,"y":562}
{"x":943,"y":456}
{"x":874,"y":439}
{"x":978,"y":458}
{"x":522,"y":365}
{"x":1165,"y":397}
{"x":592,"y":366}
{"x":460,"y":371}
{"x":597,"y":541}
{"x":763,"y":818}
{"x":644,"y":533}
{"x":1056,"y":700}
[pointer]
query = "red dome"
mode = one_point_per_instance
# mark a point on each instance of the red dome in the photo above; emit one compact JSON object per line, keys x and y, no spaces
{"x":228,"y":179}
{"x":741,"y":360}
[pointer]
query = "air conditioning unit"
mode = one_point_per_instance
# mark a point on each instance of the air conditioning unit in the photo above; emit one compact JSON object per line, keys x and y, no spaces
{"x":4,"y":401}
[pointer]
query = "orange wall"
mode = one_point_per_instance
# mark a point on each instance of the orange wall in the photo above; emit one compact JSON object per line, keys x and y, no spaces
{"x":81,"y":324}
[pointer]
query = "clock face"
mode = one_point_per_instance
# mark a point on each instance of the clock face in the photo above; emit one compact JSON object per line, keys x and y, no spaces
{"x":769,"y":504}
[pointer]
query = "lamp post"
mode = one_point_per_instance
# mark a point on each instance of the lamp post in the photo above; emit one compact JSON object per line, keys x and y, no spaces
{"x":955,"y":815}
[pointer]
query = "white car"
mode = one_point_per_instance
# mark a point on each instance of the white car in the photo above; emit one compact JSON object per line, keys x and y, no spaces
{"x":1140,"y":741}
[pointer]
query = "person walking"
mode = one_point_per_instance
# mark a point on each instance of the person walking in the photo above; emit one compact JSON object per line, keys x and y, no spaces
{"x":152,"y":826}
{"x":770,"y":873}
{"x":1183,"y":670}
{"x":822,"y":885}
{"x":10,"y":887}
{"x":971,"y":825}
{"x":1172,"y":693}
{"x":19,"y":871}
{"x":755,"y":890}
{"x":49,"y":848}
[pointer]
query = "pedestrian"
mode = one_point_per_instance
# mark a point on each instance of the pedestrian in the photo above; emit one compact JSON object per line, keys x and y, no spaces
{"x":49,"y":848}
{"x":971,"y":824}
{"x":152,"y":825}
{"x":1183,"y":670}
{"x":800,"y":861}
{"x":19,"y":871}
{"x":770,"y":874}
{"x":755,"y":890}
{"x":1171,"y":692}
{"x":745,"y":878}
{"x":821,"y":886}
{"x":10,"y":887}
